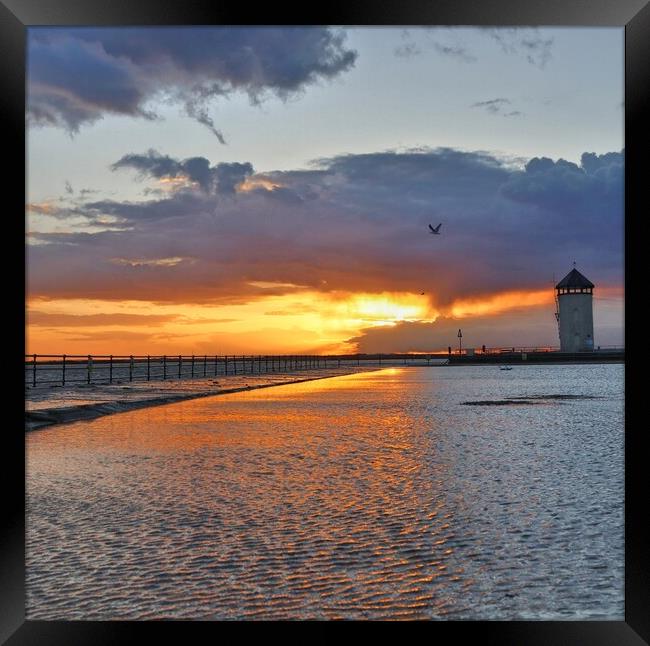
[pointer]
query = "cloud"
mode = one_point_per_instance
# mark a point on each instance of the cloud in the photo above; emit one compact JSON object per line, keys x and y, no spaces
{"x":78,"y":75}
{"x":455,"y":51}
{"x":149,"y":262}
{"x":349,"y":223}
{"x":219,"y":179}
{"x":407,"y":50}
{"x":526,"y":42}
{"x":200,"y":114}
{"x":48,"y":319}
{"x":535,"y":326}
{"x":137,"y":339}
{"x":43,"y":208}
{"x":493,"y":105}
{"x":497,"y":106}
{"x":594,"y":188}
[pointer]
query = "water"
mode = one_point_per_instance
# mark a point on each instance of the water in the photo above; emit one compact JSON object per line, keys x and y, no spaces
{"x":378,"y":495}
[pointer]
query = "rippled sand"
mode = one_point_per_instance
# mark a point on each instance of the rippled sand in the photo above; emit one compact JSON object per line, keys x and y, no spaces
{"x":375,"y":495}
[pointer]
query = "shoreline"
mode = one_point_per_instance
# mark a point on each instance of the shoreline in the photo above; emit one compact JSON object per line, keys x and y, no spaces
{"x":56,"y":406}
{"x":39,"y":418}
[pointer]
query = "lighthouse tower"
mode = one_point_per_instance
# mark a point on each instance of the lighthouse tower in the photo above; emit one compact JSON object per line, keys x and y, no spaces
{"x":575,"y":312}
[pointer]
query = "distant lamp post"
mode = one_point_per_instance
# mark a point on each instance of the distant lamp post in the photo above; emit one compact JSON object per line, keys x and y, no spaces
{"x":460,"y":342}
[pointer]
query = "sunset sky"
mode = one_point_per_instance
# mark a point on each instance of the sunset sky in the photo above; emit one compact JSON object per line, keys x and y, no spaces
{"x":269,"y":190}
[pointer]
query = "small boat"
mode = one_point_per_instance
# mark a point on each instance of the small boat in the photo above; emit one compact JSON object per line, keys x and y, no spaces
{"x":505,"y":368}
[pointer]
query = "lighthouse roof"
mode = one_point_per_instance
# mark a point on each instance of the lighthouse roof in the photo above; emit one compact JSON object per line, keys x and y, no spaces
{"x":574,"y":279}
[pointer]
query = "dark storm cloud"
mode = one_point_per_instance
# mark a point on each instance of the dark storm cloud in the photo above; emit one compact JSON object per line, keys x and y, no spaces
{"x":227,"y":176}
{"x":221,"y":178}
{"x":588,"y":191}
{"x":183,"y":204}
{"x":525,"y":328}
{"x":152,"y":163}
{"x":351,"y":223}
{"x":76,"y":75}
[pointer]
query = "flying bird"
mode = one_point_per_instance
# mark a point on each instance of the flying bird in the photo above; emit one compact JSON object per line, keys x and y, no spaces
{"x":436,"y":230}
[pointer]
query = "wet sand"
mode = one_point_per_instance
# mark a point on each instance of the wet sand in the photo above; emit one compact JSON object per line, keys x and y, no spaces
{"x":45,"y":406}
{"x":367,"y":496}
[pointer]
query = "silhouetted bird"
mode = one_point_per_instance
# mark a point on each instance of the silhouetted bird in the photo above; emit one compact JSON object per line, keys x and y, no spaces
{"x":436,"y":230}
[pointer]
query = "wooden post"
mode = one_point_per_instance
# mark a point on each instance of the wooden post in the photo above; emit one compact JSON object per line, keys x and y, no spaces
{"x":205,"y":365}
{"x":164,"y":367}
{"x":90,"y":367}
{"x":110,"y":369}
{"x":148,"y":368}
{"x":34,"y":371}
{"x":216,"y":363}
{"x":63,"y":372}
{"x":192,"y":367}
{"x":131,"y":369}
{"x":180,"y":365}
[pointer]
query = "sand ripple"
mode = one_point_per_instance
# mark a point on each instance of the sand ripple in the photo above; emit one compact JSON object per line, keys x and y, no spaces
{"x":375,"y":495}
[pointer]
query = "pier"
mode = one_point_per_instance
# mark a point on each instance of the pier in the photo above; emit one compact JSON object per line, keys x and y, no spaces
{"x":524,"y":356}
{"x":62,"y":370}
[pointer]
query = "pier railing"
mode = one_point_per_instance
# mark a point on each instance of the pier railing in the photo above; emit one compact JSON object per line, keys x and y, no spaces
{"x":68,"y":369}
{"x":62,"y":369}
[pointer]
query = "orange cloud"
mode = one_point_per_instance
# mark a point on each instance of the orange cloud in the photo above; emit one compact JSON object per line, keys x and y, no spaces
{"x":44,"y":208}
{"x":311,"y":322}
{"x":174,"y":183}
{"x":497,"y":303}
{"x":252,"y":183}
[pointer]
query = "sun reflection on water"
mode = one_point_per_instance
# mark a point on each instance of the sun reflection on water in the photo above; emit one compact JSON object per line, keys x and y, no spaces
{"x":353,"y":497}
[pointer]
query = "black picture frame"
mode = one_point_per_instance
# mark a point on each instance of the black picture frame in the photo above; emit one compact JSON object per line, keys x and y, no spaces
{"x":633,"y":15}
